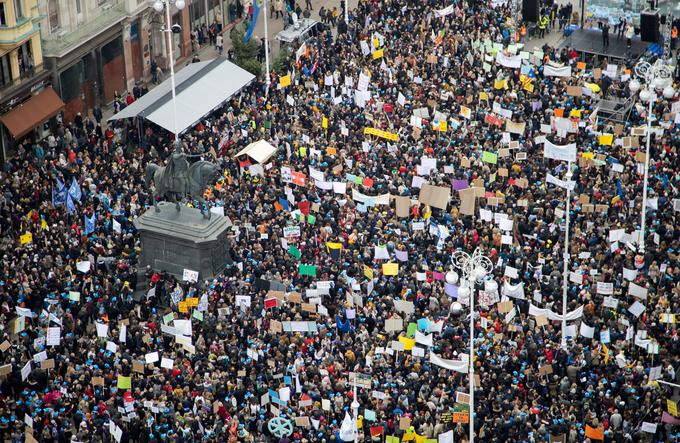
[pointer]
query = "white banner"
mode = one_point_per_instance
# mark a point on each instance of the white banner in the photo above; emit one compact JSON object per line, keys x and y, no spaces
{"x":554,"y":71}
{"x":454,"y":365}
{"x":516,"y":291}
{"x":566,"y":153}
{"x":573,"y":315}
{"x":561,"y":183}
{"x":443,"y":12}
{"x":514,"y":61}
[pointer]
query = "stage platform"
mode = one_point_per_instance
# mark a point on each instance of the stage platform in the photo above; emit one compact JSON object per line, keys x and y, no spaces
{"x":589,"y":42}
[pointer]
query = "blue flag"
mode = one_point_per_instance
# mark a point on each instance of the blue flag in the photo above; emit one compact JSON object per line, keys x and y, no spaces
{"x":342,"y":326}
{"x":251,"y":27}
{"x":89,"y":224}
{"x":70,"y":207}
{"x":59,"y":197}
{"x":74,"y":191}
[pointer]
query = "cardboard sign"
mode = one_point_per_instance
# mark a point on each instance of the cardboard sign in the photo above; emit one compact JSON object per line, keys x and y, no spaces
{"x":47,"y":364}
{"x":460,"y":417}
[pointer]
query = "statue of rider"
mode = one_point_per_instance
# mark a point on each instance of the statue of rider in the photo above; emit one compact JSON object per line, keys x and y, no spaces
{"x":176,"y":176}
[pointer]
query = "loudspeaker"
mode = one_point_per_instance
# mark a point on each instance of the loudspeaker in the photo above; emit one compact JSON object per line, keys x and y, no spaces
{"x":530,"y":10}
{"x":649,"y":26}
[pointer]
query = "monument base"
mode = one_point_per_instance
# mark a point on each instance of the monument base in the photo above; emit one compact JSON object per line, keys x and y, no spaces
{"x":173,"y":241}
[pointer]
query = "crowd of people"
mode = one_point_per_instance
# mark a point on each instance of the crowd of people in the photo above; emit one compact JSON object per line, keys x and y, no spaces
{"x":96,"y":349}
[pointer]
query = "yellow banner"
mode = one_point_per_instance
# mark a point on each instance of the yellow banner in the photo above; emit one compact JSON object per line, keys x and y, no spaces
{"x":382,"y":134}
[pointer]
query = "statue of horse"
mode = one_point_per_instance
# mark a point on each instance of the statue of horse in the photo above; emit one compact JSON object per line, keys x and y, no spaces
{"x":177,"y":179}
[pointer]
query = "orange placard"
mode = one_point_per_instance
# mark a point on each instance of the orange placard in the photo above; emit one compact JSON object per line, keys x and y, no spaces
{"x":460,"y":417}
{"x":594,"y":433}
{"x":331,"y":151}
{"x":183,"y":308}
{"x":192,"y":301}
{"x":298,"y":178}
{"x":581,"y":65}
{"x":559,"y":112}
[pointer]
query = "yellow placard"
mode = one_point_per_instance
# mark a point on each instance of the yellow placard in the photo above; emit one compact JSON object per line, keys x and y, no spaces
{"x":483,"y":96}
{"x":124,"y":382}
{"x":409,"y":343}
{"x":368,"y":272}
{"x":26,"y":238}
{"x":380,"y":133}
{"x":284,"y":81}
{"x":443,"y":126}
{"x":324,"y":123}
{"x":529,"y":87}
{"x":390,"y":268}
{"x":499,"y":84}
{"x":606,"y":139}
{"x":588,"y":155}
{"x":576,"y":113}
{"x":183,"y":307}
{"x":672,"y":407}
{"x":192,"y":301}
{"x":378,"y":54}
{"x":376,"y":42}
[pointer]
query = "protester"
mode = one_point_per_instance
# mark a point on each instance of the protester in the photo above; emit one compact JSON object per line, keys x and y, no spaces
{"x":307,"y":244}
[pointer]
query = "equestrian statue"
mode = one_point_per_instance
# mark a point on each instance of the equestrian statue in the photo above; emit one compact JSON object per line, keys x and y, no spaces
{"x":178,"y":178}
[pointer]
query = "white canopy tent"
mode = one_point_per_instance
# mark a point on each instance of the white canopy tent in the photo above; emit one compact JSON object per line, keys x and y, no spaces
{"x":200,"y":88}
{"x":260,"y":151}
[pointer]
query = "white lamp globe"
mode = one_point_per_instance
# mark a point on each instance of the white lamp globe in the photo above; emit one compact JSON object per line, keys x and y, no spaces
{"x":180,"y":4}
{"x":463,"y":292}
{"x":645,"y":95}
{"x":668,"y":92}
{"x":451,"y":278}
{"x":456,"y":308}
{"x":158,"y":6}
{"x":634,"y":86}
{"x":479,"y":273}
{"x":659,"y":83}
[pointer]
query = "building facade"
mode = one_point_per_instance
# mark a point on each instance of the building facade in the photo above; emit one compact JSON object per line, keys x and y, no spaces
{"x":22,"y":74}
{"x":94,"y":49}
{"x":97,"y":48}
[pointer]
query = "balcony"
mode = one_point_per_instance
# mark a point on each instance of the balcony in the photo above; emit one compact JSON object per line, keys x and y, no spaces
{"x":60,"y":43}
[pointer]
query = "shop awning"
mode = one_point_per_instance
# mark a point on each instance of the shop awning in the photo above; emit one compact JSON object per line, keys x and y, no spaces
{"x":201,"y":88}
{"x":27,"y":116}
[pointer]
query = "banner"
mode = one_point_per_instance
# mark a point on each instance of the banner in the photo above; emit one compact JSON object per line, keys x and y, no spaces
{"x":443,"y":12}
{"x":573,"y":315}
{"x":565,"y":153}
{"x":515,"y":291}
{"x":561,"y":183}
{"x":514,"y":61}
{"x":454,"y":365}
{"x":251,"y":27}
{"x":554,"y":71}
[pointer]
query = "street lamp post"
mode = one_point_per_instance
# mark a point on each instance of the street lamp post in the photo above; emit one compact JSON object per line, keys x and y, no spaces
{"x":565,"y":276}
{"x":159,"y":5}
{"x":658,"y":76}
{"x":473,"y":267}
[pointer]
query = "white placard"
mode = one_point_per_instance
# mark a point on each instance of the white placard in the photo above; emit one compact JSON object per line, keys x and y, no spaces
{"x":189,"y":275}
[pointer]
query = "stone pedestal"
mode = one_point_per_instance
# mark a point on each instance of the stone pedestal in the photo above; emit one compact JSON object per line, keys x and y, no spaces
{"x":175,"y":240}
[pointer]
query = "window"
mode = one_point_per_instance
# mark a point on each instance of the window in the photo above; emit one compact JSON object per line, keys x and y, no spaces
{"x":53,"y":10}
{"x":3,"y":19}
{"x":19,"y":9}
{"x":5,"y":72}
